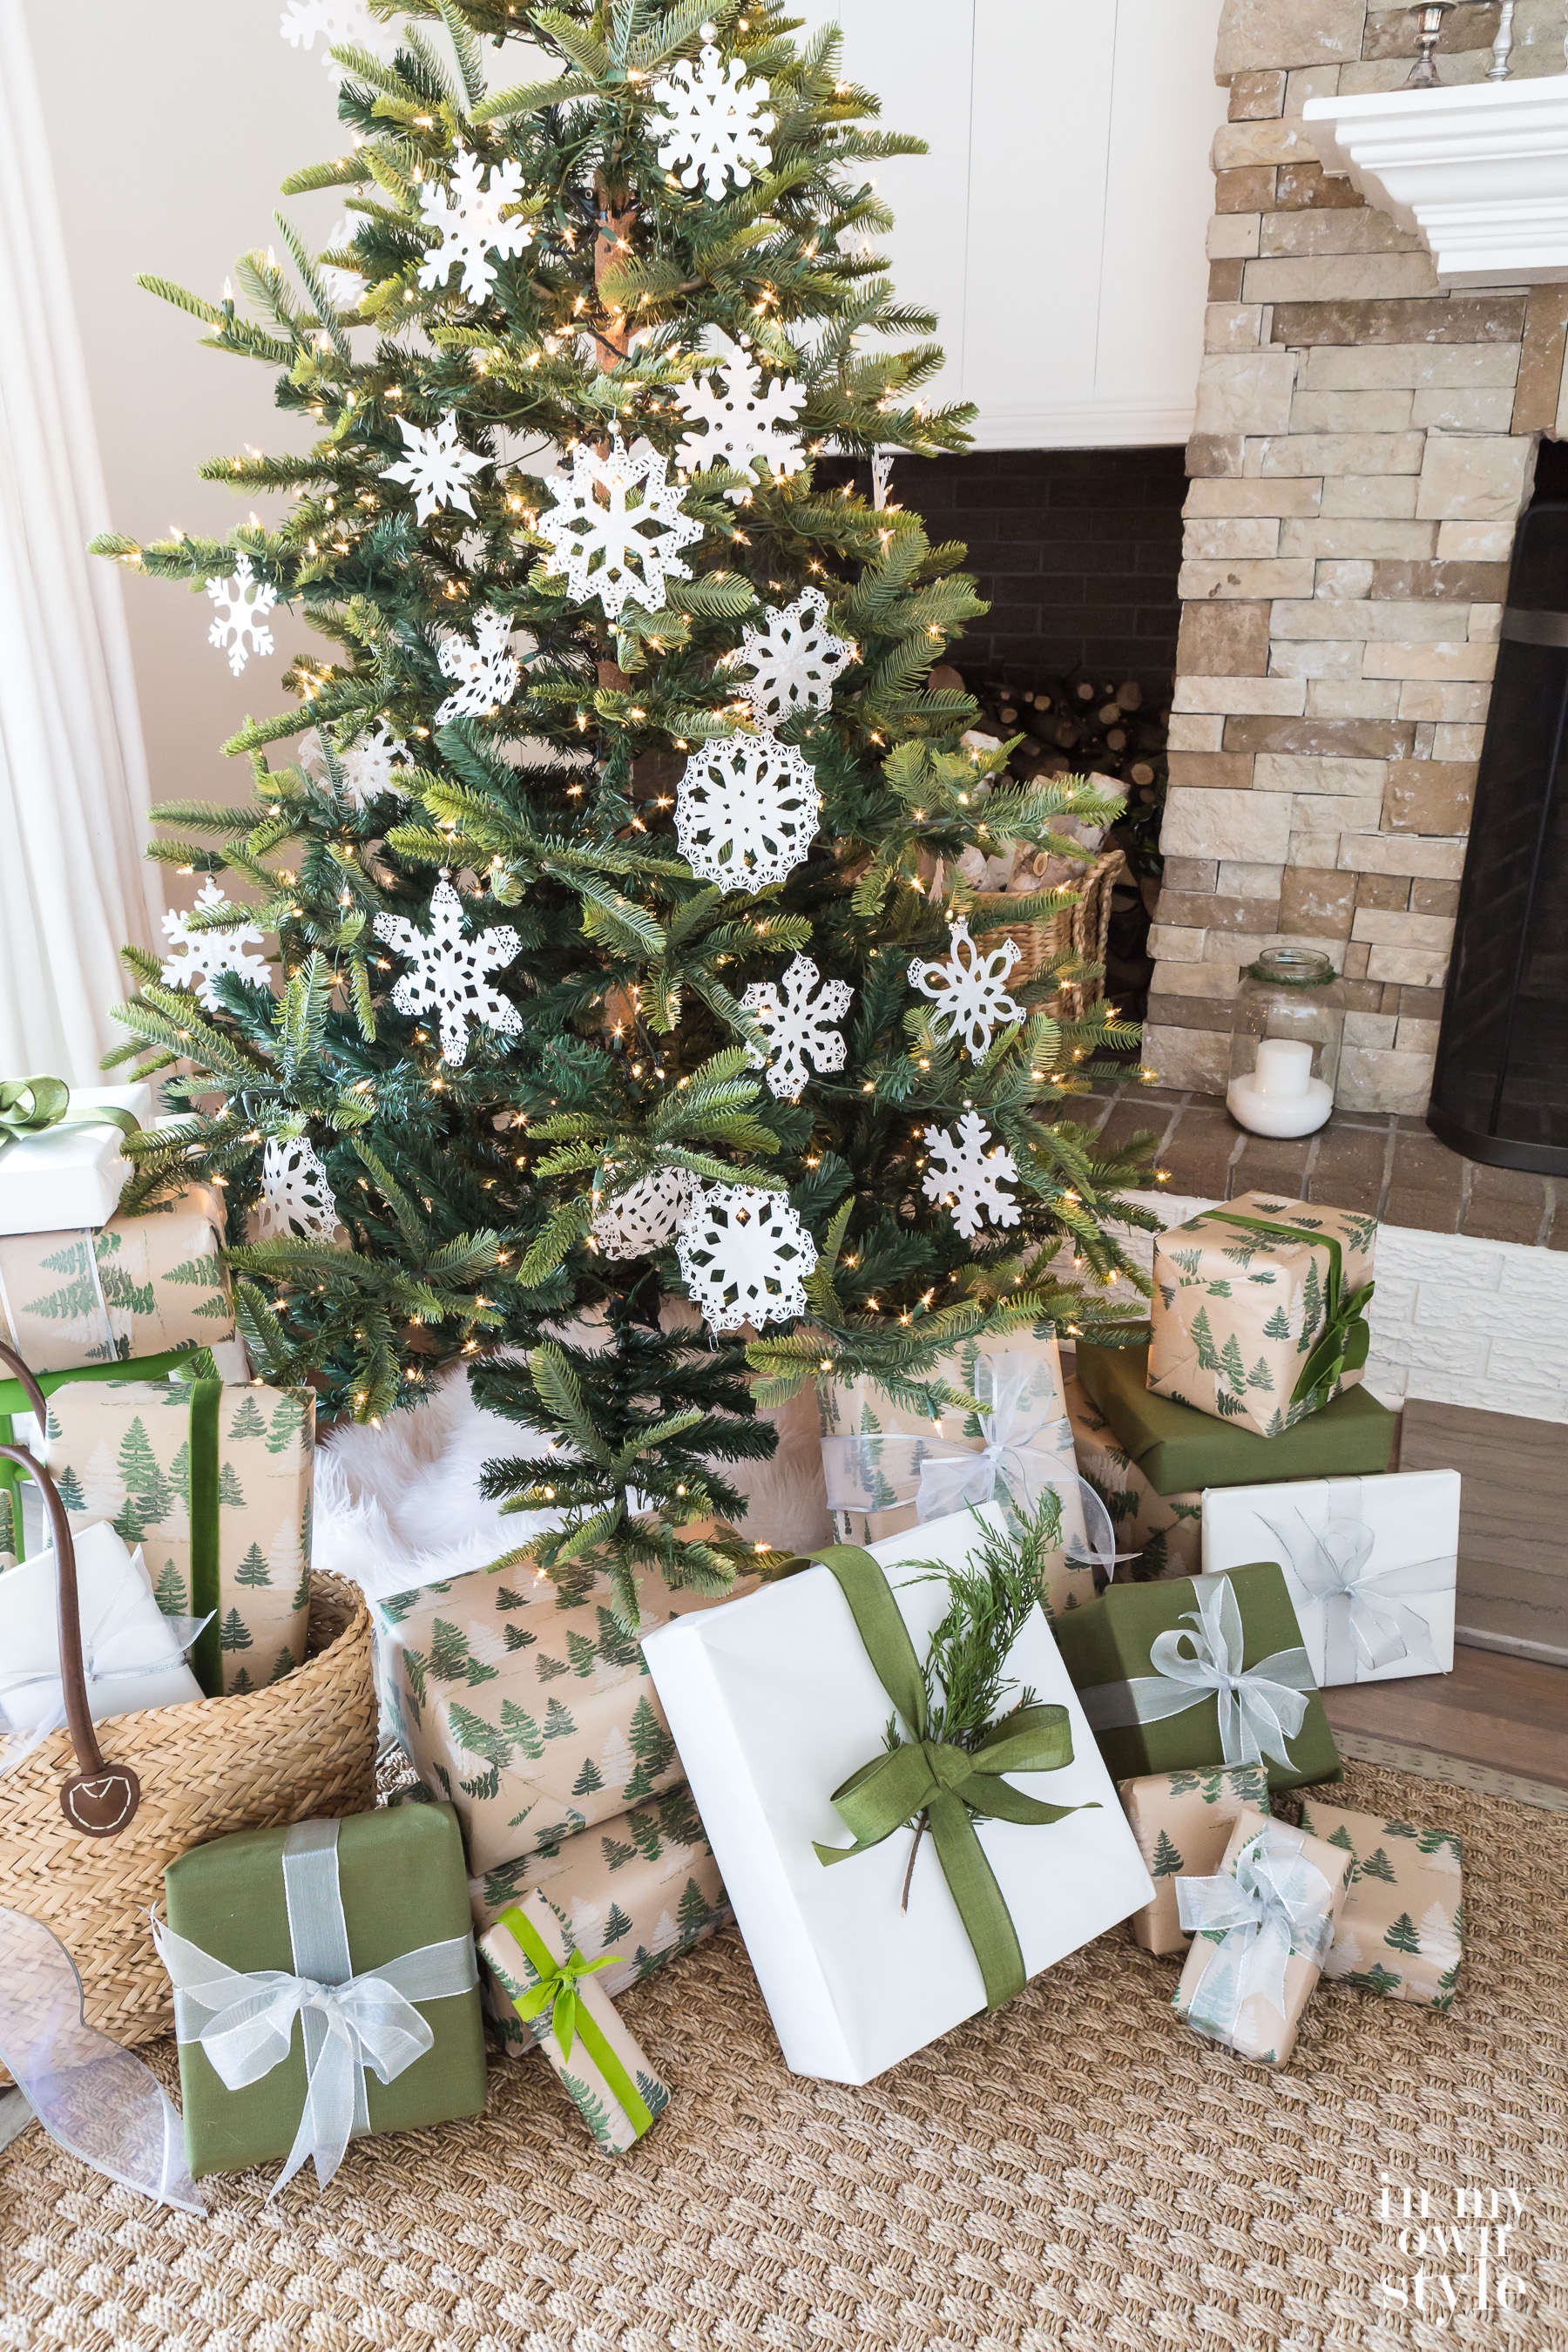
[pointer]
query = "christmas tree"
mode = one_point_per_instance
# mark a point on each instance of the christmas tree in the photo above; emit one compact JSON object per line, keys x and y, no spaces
{"x":620,"y":859}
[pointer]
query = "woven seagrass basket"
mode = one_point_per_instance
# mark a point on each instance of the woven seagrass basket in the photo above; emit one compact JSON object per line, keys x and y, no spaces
{"x":87,"y":1829}
{"x":1079,"y":930}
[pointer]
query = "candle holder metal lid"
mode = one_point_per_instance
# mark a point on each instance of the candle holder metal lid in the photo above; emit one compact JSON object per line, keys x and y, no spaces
{"x":1286,"y":1040}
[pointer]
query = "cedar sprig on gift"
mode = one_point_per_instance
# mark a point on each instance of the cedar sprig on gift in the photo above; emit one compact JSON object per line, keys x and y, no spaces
{"x":992,"y":1591}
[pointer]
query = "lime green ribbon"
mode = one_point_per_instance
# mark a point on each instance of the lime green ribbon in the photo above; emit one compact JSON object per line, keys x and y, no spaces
{"x":558,"y":1990}
{"x":1343,"y":1344}
{"x":942,"y":1784}
{"x":34,"y":1105}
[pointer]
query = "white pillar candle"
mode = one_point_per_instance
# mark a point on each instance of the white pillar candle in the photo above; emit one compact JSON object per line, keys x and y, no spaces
{"x":1284,"y":1067}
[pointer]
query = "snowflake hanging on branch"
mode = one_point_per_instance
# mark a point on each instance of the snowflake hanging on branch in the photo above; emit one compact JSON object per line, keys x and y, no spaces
{"x":799,"y":1025}
{"x":488,"y":671}
{"x":470,"y":223}
{"x":970,"y":990}
{"x":615,"y":527}
{"x":744,"y":421}
{"x":450,"y":975}
{"x":207,"y":954}
{"x":296,"y":1203}
{"x":970,"y":1181}
{"x":719,"y":128}
{"x":796,"y":658}
{"x":643,"y":1216}
{"x":744,"y":1257}
{"x":437,"y":468}
{"x":243,"y":603}
{"x":746,"y":812}
{"x":368,"y":766}
{"x":343,"y":24}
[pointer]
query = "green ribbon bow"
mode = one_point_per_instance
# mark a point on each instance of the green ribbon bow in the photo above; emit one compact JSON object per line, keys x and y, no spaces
{"x":570,"y":2018}
{"x":32,"y":1106}
{"x":1343,"y":1344}
{"x":945,"y":1784}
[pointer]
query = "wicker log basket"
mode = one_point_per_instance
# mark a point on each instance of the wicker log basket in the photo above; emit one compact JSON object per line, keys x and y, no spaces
{"x":86,"y":1831}
{"x":1079,"y":930}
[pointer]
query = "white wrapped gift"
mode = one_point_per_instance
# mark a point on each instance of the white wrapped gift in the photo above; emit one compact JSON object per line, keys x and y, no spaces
{"x":70,"y":1175}
{"x":773,"y":1702}
{"x":1370,"y":1565}
{"x":134,"y":1655}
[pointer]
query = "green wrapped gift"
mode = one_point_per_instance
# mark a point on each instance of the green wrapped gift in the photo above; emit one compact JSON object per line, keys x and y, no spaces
{"x":374,"y":1907}
{"x":1178,"y":1449}
{"x":1191,"y":1673}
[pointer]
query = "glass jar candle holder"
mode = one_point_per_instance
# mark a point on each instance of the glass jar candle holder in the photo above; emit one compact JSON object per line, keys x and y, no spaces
{"x":1286,"y":1034}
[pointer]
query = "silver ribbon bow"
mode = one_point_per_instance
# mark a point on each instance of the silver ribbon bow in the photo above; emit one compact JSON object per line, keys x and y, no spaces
{"x":1261,"y":1708}
{"x":1278,"y":1905}
{"x":1365,"y":1624}
{"x":244,"y":2019}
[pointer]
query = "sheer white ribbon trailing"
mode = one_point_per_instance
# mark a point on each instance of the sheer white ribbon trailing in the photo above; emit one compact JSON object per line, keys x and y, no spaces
{"x":120,"y":1650}
{"x":243,"y":2021}
{"x":1276,"y":1905}
{"x":1366,"y":1625}
{"x":1261,"y":1708}
{"x":99,"y":2102}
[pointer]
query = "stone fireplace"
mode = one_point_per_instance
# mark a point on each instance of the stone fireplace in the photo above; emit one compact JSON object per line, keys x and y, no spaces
{"x":1366,"y":441}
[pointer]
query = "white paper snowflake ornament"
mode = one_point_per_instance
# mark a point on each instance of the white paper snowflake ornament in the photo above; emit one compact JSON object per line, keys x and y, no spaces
{"x":799,"y":1025}
{"x":745,"y":421}
{"x":970,"y":990}
{"x":368,"y":765}
{"x":746,"y":812}
{"x":469,"y":218}
{"x":970,"y":1179}
{"x":344,"y":287}
{"x":487,"y":671}
{"x":719,"y":128}
{"x":296,"y":1203}
{"x":646,"y":1214}
{"x":450,"y":974}
{"x":209,"y":953}
{"x":343,"y":24}
{"x":744,"y":1257}
{"x":436,"y":466}
{"x":796,"y":659}
{"x":616,"y":527}
{"x":243,"y":603}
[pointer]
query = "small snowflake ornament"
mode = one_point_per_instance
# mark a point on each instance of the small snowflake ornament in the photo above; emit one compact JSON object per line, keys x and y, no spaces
{"x":719,"y":128}
{"x":450,"y":973}
{"x":435,"y":467}
{"x":296,"y":1203}
{"x":468,"y":219}
{"x":643,"y":1216}
{"x":746,"y":812}
{"x":345,"y":287}
{"x":208,"y":953}
{"x":796,"y":658}
{"x":744,"y":422}
{"x":799,"y":1025}
{"x":487,"y":671}
{"x":340,"y":23}
{"x":368,"y":765}
{"x":970,"y":1179}
{"x":243,"y":603}
{"x":744,"y":1257}
{"x":617,"y":526}
{"x":970,"y":990}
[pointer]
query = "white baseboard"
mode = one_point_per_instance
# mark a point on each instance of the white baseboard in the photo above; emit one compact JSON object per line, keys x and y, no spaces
{"x":1082,"y":425}
{"x":1550,"y":1653}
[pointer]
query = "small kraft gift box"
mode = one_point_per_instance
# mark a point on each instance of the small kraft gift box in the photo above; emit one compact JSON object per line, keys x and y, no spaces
{"x":1261,"y":1928}
{"x":1370,"y":1563}
{"x":1401,"y":1930}
{"x":1258,"y":1312}
{"x":556,"y":1995}
{"x":135,"y":1288}
{"x":1182,"y":1821}
{"x":1155,"y":1535}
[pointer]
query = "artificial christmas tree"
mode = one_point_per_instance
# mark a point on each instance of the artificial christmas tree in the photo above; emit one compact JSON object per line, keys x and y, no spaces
{"x":656,"y":700}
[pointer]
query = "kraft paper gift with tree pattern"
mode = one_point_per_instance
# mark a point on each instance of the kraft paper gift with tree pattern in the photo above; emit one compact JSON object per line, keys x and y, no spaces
{"x":139,"y":1285}
{"x":1402,"y":1928}
{"x":587,"y":2071}
{"x":1183,"y":1821}
{"x":123,"y":1451}
{"x":1243,"y":1309}
{"x":1163,"y":1533}
{"x":1264,"y":2029}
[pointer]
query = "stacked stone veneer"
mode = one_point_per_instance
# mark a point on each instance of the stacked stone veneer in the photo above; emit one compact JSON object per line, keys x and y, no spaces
{"x":1364,"y":443}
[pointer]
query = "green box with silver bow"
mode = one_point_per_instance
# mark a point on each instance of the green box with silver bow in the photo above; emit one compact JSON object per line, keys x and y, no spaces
{"x":1190,"y":1674}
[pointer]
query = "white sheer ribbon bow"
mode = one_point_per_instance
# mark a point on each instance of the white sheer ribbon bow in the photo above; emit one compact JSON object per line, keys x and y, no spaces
{"x":1261,"y":1708}
{"x":117,"y":1652}
{"x":1366,"y":1623}
{"x":1276,"y":1905}
{"x":244,"y":2019}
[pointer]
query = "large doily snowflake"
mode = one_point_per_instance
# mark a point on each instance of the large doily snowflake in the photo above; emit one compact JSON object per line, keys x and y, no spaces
{"x":487,"y":670}
{"x":746,"y":811}
{"x":208,"y":953}
{"x":968,"y":1178}
{"x":970,"y":990}
{"x":243,"y":603}
{"x":296,"y":1203}
{"x":643,"y":1216}
{"x":436,"y":466}
{"x":340,"y":23}
{"x":799,"y":1025}
{"x":469,"y":220}
{"x":368,"y":765}
{"x":450,"y":973}
{"x":720,"y":128}
{"x":615,"y":527}
{"x":744,"y":1257}
{"x":744,"y":421}
{"x":795,"y":659}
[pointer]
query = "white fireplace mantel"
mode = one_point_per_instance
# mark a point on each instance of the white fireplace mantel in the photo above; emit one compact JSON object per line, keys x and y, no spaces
{"x":1480,"y":170}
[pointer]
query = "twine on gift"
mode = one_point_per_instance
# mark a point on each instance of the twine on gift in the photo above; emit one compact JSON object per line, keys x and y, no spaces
{"x":1275,"y":1905}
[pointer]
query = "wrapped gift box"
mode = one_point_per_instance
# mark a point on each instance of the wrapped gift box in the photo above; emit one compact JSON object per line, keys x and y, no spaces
{"x":213,"y":1481}
{"x":1183,"y":1821}
{"x":557,"y":1999}
{"x":1370,"y":1564}
{"x":133,"y":1287}
{"x":134,"y":1655}
{"x":1290,"y":1888}
{"x":1191,"y":1673}
{"x":1179,"y":1451}
{"x":1259,"y":1309}
{"x":1155,"y":1535}
{"x":775,"y":1701}
{"x":1401,"y":1930}
{"x":71,"y":1174}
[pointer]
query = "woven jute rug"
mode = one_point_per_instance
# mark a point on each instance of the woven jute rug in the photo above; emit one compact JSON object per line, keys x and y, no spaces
{"x":1079,"y":2170}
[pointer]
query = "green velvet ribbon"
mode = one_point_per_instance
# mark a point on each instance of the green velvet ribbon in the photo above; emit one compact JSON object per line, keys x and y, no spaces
{"x":944,"y":1783}
{"x":570,"y":2018}
{"x":174,"y":1362}
{"x":202,"y":1488}
{"x":33,"y":1106}
{"x":1341,"y":1345}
